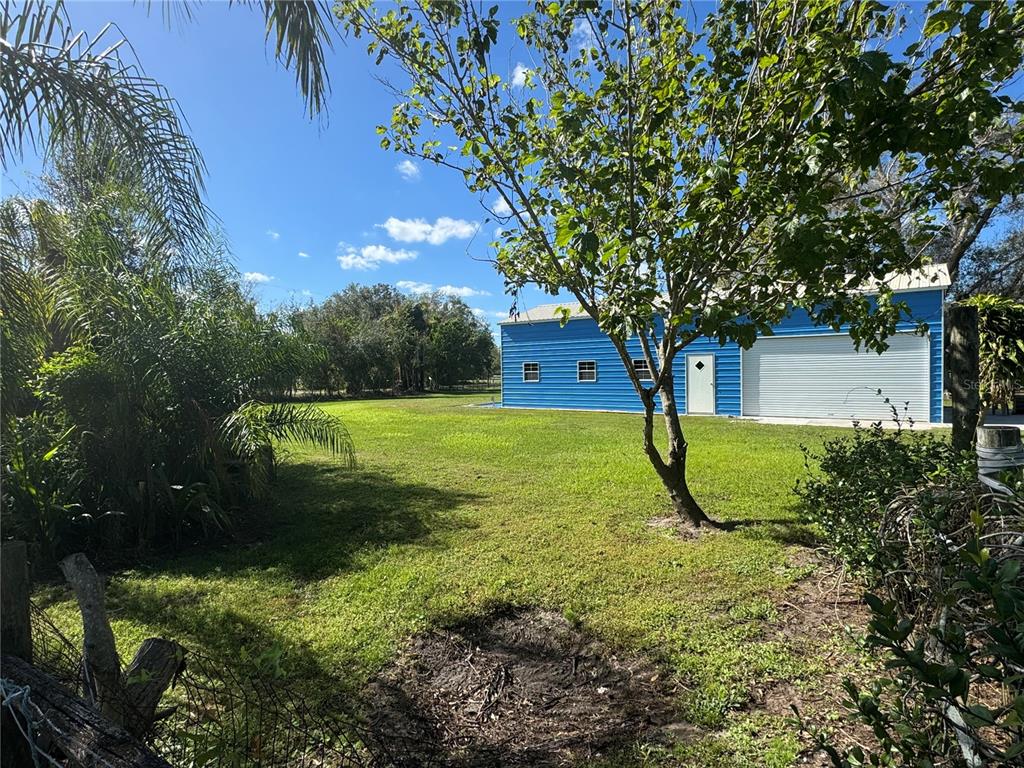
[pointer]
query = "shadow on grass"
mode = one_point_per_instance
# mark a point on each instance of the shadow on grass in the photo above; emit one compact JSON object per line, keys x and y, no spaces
{"x":321,"y":518}
{"x":783,"y":530}
{"x":780,"y":530}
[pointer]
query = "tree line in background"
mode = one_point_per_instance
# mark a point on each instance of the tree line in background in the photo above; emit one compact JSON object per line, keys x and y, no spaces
{"x":374,"y":338}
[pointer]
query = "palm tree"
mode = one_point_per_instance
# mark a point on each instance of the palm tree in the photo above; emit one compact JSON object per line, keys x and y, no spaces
{"x":60,"y":85}
{"x":148,"y":379}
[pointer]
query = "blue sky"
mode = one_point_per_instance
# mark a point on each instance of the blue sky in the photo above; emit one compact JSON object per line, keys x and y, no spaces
{"x":309,"y":207}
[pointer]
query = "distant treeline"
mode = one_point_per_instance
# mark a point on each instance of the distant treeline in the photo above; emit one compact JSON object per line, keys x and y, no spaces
{"x":373,"y":338}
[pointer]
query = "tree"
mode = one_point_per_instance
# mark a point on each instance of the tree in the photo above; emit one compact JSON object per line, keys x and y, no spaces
{"x":995,"y":267}
{"x":683,"y":178}
{"x":983,"y":196}
{"x":1000,"y":349}
{"x":374,"y":337}
{"x":60,"y":86}
{"x":460,"y":347}
{"x":134,"y":380}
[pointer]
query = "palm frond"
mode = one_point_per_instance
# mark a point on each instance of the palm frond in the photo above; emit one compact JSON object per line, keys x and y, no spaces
{"x":302,"y":31}
{"x":61,"y":87}
{"x":26,"y":302}
{"x":253,"y":427}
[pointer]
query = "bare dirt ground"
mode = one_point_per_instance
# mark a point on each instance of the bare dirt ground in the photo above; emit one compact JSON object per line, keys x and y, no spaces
{"x":516,"y":687}
{"x":818,"y":618}
{"x":522,"y":686}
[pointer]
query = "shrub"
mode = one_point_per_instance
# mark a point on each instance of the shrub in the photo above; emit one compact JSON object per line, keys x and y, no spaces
{"x":942,"y":555}
{"x":852,"y":480}
{"x":42,"y":475}
{"x":948,"y":615}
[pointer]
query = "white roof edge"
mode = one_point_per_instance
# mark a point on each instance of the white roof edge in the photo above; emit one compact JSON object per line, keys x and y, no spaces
{"x":544,"y":312}
{"x":922,"y":278}
{"x":927,"y":276}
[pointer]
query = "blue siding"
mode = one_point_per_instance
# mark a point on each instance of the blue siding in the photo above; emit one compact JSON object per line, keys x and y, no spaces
{"x":558,"y":348}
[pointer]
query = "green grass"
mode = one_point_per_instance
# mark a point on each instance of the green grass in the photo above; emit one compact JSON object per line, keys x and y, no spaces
{"x":456,"y":509}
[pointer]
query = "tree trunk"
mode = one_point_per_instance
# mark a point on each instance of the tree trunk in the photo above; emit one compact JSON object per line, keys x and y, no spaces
{"x":155,"y":665}
{"x":672,"y":472}
{"x":99,"y":652}
{"x":130,"y":699}
{"x":962,"y":356}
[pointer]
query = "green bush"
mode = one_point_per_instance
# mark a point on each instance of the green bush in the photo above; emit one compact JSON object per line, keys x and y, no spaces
{"x":42,"y":479}
{"x":947,"y":614}
{"x":942,"y":556}
{"x":852,"y":480}
{"x":133,"y":413}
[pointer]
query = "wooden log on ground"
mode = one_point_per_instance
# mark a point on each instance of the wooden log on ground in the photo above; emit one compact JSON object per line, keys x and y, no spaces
{"x":73,"y":727}
{"x":962,"y":359}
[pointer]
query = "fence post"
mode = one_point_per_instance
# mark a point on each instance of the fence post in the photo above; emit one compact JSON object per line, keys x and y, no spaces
{"x":962,"y":357}
{"x":15,"y":620}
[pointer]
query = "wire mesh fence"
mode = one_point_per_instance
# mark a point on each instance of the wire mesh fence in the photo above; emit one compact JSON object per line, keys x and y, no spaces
{"x":211,"y":715}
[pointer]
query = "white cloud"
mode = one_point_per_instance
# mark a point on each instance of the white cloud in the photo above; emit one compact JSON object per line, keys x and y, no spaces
{"x":306,"y":292}
{"x":273,"y":235}
{"x":519,"y":75}
{"x":371,"y":256}
{"x":412,"y":286}
{"x":583,"y":34}
{"x":421,"y":230}
{"x":303,"y":255}
{"x":257,"y":277}
{"x":462,"y":291}
{"x":501,"y":208}
{"x":408,"y":170}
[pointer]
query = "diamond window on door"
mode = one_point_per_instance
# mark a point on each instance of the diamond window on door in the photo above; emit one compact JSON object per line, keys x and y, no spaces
{"x":700,"y":365}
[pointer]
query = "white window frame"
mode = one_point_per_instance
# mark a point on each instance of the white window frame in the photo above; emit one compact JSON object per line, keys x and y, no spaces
{"x":594,"y":371}
{"x":642,"y":369}
{"x":531,"y":381}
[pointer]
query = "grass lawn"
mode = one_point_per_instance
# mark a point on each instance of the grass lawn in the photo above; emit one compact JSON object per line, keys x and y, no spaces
{"x":455,"y":510}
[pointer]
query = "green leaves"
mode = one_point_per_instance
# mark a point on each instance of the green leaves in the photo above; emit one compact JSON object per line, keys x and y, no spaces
{"x":941,"y":22}
{"x":940,"y":556}
{"x":1001,"y":348}
{"x":63,"y":90}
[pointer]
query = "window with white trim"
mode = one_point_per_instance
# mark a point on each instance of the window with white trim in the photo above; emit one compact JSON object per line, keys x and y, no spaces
{"x":586,"y":370}
{"x":531,"y":371}
{"x":643,"y":370}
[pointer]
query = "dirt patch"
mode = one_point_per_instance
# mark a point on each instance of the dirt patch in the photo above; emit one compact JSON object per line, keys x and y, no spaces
{"x":514,"y":687}
{"x":815,"y":613}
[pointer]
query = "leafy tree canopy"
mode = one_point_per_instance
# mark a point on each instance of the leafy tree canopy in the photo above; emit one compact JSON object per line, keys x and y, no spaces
{"x":685,"y":177}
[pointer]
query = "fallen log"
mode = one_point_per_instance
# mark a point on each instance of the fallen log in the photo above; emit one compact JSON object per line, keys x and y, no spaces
{"x":69,"y":726}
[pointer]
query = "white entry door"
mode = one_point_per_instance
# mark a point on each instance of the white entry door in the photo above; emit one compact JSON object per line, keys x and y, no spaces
{"x":700,"y":383}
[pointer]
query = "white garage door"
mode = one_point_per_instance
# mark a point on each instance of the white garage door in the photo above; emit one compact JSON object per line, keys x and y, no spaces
{"x":824,"y":377}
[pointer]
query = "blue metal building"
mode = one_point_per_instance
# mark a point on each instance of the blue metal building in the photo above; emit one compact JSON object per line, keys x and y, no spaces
{"x":800,"y":371}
